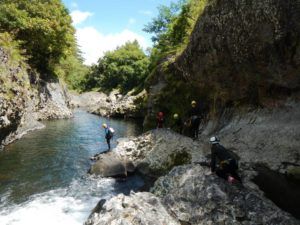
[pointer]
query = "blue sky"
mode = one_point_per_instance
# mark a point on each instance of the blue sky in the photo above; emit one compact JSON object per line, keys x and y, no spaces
{"x":102,"y":25}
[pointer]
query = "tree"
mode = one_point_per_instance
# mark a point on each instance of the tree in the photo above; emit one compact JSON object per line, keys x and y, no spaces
{"x":124,"y":68}
{"x":172,"y":27}
{"x":45,"y":29}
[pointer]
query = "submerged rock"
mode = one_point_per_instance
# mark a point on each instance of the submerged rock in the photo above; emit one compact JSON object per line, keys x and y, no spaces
{"x":195,"y":196}
{"x":141,"y":208}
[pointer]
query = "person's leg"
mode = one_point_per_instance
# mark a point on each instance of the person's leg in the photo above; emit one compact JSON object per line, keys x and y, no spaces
{"x":222,"y":173}
{"x":108,"y":143}
{"x":233,"y":167}
{"x":197,"y":125}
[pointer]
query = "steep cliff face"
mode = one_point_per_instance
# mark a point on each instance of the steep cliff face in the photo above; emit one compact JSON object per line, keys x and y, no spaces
{"x":240,"y":53}
{"x":25,"y":99}
{"x":247,"y":50}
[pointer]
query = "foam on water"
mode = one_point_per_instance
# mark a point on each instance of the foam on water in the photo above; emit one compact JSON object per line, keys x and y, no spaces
{"x":68,"y":206}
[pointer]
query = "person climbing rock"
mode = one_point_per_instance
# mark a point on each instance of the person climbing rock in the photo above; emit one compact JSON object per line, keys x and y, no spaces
{"x":227,"y":164}
{"x":160,"y":120}
{"x":109,"y":133}
{"x":195,"y":115}
{"x":177,"y":125}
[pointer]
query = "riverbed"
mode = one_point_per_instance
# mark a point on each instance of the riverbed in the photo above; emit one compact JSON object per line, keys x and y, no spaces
{"x":43,"y":176}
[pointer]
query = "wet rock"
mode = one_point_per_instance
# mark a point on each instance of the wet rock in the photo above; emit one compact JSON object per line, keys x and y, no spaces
{"x":136,"y":209}
{"x":109,"y":165}
{"x":195,"y":196}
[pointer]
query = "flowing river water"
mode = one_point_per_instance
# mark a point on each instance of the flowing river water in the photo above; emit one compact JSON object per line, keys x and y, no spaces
{"x":43,"y":176}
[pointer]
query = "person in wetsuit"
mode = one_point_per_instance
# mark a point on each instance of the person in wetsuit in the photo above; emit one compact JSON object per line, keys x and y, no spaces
{"x":195,"y":114}
{"x":160,"y":120}
{"x":223,"y":162}
{"x":177,"y":123}
{"x":108,"y":134}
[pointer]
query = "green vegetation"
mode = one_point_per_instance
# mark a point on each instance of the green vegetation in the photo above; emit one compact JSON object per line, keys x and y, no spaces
{"x":44,"y":31}
{"x":172,"y":27}
{"x":124,"y":68}
{"x":13,"y":69}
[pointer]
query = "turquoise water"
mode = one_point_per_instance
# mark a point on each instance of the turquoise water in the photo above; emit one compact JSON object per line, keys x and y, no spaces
{"x":43,"y":176}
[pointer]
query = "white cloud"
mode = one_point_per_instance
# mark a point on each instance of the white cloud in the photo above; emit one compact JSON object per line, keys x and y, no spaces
{"x":78,"y":16}
{"x":145,"y":12}
{"x":93,"y":44}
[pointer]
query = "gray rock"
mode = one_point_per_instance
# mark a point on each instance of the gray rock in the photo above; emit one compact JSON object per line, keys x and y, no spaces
{"x":109,"y":165}
{"x":114,"y":104}
{"x":137,"y":209}
{"x":156,"y":152}
{"x":195,"y":196}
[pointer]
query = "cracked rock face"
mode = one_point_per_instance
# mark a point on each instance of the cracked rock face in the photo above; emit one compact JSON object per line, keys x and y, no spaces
{"x":25,"y":99}
{"x":141,"y":208}
{"x":196,"y":196}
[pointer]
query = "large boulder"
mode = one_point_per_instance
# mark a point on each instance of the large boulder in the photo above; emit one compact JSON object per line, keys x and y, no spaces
{"x":195,"y":196}
{"x":156,"y":152}
{"x":109,"y":165}
{"x":141,"y":208}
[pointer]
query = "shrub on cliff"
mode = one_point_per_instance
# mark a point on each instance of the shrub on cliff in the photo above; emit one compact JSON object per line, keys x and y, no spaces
{"x":44,"y":29}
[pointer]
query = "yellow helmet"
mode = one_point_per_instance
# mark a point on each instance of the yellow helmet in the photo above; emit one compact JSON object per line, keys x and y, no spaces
{"x":193,"y":102}
{"x":175,"y":116}
{"x":104,"y":125}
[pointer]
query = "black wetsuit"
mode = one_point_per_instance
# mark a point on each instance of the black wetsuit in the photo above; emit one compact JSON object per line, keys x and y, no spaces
{"x":195,"y":115}
{"x":227,"y":163}
{"x":108,"y":136}
{"x":177,"y":125}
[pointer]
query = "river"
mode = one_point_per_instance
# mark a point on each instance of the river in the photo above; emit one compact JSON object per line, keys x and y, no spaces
{"x":43,"y":176}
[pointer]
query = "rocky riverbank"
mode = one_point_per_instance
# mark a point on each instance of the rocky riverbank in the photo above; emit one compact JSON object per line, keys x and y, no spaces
{"x":185,"y":187}
{"x":113,"y":105}
{"x":25,"y":99}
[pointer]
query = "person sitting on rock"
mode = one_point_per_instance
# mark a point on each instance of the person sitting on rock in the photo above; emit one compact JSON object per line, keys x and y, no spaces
{"x":177,"y":123}
{"x":109,"y":133}
{"x":160,"y":120}
{"x":227,"y":164}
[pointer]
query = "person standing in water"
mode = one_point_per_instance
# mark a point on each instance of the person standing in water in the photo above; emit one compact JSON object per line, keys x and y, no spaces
{"x":109,"y":133}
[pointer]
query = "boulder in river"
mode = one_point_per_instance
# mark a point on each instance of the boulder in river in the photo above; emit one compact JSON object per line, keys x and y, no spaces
{"x":156,"y":152}
{"x":109,"y":164}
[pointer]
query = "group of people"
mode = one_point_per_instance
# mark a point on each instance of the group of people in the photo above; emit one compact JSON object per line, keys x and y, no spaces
{"x":223,"y":162}
{"x":194,"y":117}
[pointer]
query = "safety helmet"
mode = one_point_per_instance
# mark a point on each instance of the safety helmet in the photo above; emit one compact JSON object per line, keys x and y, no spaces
{"x":193,"y":102}
{"x":104,"y":125}
{"x":175,"y":116}
{"x":214,"y":140}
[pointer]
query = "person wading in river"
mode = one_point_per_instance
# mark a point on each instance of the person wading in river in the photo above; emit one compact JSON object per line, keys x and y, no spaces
{"x":109,"y":133}
{"x":227,"y":164}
